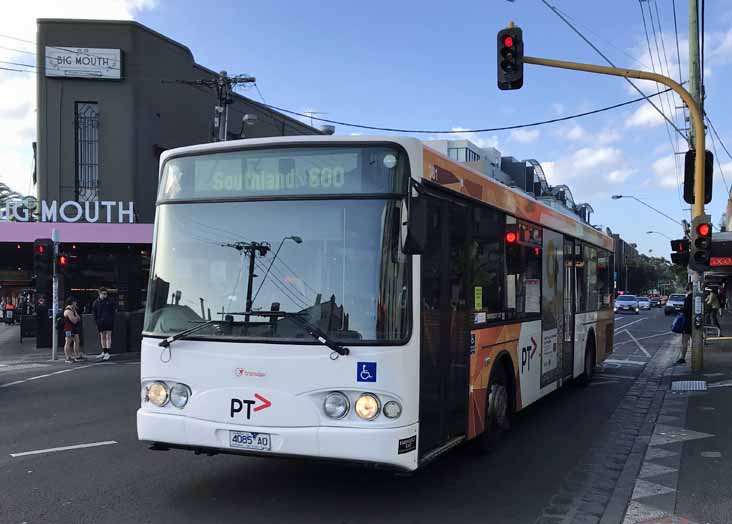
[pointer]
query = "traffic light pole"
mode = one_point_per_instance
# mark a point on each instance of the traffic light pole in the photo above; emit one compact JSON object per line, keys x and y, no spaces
{"x":54,"y":298}
{"x":697,"y":346}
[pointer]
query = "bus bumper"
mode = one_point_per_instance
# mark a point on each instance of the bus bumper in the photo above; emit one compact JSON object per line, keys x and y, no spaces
{"x":377,"y":446}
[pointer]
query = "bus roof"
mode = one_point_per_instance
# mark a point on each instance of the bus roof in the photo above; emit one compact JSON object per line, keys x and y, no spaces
{"x":436,"y":168}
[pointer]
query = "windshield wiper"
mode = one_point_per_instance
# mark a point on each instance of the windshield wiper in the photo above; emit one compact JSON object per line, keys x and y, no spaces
{"x":166,"y":342}
{"x":312,"y":330}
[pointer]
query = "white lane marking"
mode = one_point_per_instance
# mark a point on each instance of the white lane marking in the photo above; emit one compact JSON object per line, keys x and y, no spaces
{"x":603,"y":382}
{"x":76,"y":368}
{"x":64,"y":448}
{"x":643,"y":338}
{"x":605,"y":374}
{"x":624,"y":326}
{"x":622,"y":362}
{"x":640,"y":346}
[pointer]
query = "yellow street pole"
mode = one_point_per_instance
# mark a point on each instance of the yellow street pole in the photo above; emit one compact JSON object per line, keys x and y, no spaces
{"x":696,"y":116}
{"x":697,"y":350}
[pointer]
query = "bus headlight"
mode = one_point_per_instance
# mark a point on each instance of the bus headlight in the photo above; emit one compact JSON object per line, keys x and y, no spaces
{"x":179,"y":395}
{"x":336,"y":405}
{"x":367,"y":406}
{"x":157,"y":393}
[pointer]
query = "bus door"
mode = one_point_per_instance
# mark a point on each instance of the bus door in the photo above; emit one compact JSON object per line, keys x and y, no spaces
{"x":569,"y":309}
{"x":445,"y":343}
{"x":552,"y":304}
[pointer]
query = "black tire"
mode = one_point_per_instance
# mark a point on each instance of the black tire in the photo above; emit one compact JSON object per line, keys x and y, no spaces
{"x":499,"y":409}
{"x":586,"y":377}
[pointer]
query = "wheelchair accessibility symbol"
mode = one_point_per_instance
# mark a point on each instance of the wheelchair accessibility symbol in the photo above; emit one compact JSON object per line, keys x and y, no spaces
{"x":366,"y":372}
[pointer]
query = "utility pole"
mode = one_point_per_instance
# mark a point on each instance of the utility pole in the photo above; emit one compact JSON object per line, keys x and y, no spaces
{"x":224,"y":86}
{"x":696,"y":277}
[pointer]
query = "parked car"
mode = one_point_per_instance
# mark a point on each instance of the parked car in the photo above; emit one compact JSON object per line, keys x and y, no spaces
{"x":655,"y":302}
{"x":674,"y":304}
{"x":627,"y":304}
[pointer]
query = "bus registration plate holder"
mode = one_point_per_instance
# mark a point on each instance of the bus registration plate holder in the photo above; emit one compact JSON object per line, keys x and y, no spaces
{"x":249,"y":440}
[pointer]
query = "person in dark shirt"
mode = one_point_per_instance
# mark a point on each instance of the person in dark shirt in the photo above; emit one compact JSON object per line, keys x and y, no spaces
{"x":104,"y":310}
{"x":686,"y":333}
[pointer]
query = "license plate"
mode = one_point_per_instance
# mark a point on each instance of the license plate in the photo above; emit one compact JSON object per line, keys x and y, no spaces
{"x":249,"y":440}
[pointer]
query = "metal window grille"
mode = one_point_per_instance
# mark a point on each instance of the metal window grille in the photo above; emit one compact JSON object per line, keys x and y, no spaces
{"x":87,"y":151}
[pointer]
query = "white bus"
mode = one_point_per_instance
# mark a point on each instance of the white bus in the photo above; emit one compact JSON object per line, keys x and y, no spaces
{"x":358,"y":298}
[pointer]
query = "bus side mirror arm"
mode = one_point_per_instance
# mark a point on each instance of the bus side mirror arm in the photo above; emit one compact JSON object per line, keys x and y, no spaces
{"x":413,"y":221}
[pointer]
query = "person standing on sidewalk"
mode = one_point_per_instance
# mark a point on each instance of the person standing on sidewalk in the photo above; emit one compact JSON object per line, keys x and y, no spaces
{"x":712,"y":303}
{"x":104,"y":310}
{"x":71,"y":322}
{"x":686,"y":333}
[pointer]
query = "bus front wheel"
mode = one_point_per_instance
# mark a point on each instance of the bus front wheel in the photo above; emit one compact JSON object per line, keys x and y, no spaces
{"x":586,"y":376}
{"x":498,"y":409}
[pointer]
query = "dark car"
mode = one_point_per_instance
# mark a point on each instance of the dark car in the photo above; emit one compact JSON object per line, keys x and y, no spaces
{"x":655,"y":302}
{"x":674,"y":304}
{"x":627,"y":304}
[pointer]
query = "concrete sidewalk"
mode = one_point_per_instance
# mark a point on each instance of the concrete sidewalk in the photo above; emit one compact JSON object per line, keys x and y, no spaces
{"x":686,"y":475}
{"x":11,"y":348}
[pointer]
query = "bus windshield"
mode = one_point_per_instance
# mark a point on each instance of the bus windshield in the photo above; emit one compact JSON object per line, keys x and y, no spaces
{"x":336,"y":262}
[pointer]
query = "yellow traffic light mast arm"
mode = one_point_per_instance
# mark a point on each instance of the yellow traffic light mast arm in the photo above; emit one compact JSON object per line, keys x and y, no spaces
{"x":696,"y":115}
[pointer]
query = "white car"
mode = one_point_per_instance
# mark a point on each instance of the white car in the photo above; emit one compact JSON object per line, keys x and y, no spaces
{"x":644,"y":303}
{"x":627,"y":304}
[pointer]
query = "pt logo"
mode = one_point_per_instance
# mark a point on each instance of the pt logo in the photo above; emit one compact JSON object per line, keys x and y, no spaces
{"x":527,"y":353}
{"x":237,"y":406}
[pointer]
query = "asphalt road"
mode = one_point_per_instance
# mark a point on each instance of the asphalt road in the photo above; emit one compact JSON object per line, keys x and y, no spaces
{"x":125,"y":482}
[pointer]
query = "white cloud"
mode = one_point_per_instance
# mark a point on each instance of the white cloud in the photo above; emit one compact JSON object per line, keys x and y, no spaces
{"x":664,"y":172}
{"x":577,"y":133}
{"x":588,"y":170}
{"x":463,"y":134}
{"x":524,"y":136}
{"x":17,"y":90}
{"x":644,"y":116}
{"x":620,"y":175}
{"x":559,"y":109}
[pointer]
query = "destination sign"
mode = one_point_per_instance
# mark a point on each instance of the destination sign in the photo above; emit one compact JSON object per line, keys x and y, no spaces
{"x":283,"y":171}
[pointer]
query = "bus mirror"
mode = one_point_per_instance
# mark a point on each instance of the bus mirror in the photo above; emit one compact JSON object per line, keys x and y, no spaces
{"x":414,"y":225}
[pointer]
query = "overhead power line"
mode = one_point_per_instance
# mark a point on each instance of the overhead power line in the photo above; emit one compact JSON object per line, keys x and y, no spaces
{"x":597,"y":50}
{"x":719,"y":138}
{"x":458,"y":131}
{"x":719,"y":164}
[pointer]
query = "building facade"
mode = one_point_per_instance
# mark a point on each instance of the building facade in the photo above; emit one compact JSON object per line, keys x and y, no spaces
{"x":112,"y":96}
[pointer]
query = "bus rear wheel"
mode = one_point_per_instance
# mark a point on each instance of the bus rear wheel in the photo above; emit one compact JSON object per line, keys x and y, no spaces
{"x":498,"y":410}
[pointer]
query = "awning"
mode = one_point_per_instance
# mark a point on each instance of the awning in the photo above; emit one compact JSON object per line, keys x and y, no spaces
{"x":79,"y":233}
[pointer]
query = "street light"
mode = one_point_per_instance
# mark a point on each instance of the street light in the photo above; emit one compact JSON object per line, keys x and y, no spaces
{"x":618,"y":197}
{"x":658,"y":233}
{"x":294,"y":238}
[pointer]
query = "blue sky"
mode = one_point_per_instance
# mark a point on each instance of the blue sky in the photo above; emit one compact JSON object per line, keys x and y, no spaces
{"x":432,"y":65}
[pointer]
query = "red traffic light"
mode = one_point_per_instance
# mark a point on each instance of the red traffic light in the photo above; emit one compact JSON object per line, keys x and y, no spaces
{"x":511,"y":237}
{"x":704,"y":230}
{"x":508,"y":41}
{"x":40,"y":249}
{"x":63,"y":260}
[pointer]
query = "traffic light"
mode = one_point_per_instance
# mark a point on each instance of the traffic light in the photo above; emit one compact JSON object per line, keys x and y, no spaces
{"x":689,"y":160}
{"x":680,"y":251}
{"x":62,"y":262}
{"x":510,"y":58}
{"x":42,"y":270}
{"x":701,"y":243}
